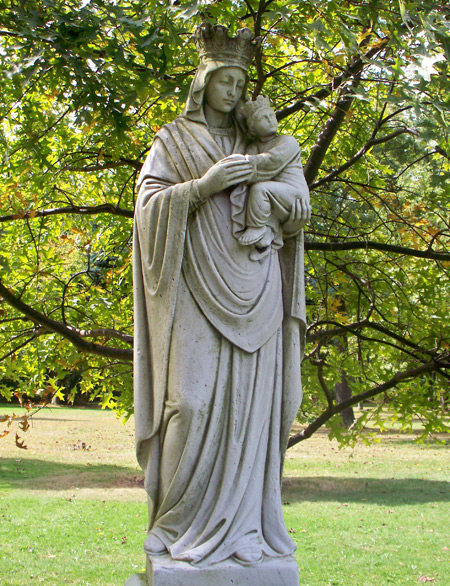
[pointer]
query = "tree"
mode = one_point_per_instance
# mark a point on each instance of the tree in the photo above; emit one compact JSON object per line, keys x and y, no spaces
{"x":362,"y":85}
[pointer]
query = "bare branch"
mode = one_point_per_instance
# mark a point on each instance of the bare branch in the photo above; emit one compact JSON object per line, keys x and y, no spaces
{"x":259,"y":54}
{"x":329,"y":131}
{"x":105,"y":208}
{"x":22,"y":345}
{"x":352,"y":70}
{"x":122,"y":162}
{"x":362,"y":151}
{"x":250,"y":8}
{"x":66,"y":332}
{"x":37,"y":138}
{"x":4,"y":33}
{"x":356,"y":328}
{"x":323,"y":384}
{"x":329,"y":412}
{"x":371,"y":245}
{"x":106,"y":333}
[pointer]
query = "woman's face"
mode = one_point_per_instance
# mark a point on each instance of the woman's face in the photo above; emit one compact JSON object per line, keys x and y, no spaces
{"x":224,"y":89}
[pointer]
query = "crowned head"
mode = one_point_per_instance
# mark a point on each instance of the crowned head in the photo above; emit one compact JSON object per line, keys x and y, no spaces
{"x":260,"y":117}
{"x":255,"y":108}
{"x":214,"y":44}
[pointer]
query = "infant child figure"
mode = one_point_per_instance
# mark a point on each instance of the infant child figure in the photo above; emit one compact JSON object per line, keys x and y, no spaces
{"x":278,"y":179}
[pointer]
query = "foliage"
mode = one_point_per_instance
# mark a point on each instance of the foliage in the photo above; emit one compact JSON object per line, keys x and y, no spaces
{"x":362,"y":85}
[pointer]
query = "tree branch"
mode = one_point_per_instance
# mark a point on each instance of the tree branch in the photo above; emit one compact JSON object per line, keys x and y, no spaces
{"x":352,"y":70}
{"x":102,"y":166}
{"x":108,"y":208}
{"x":66,"y":332}
{"x":329,"y":131}
{"x":105,"y":208}
{"x":106,"y":333}
{"x":362,"y":151}
{"x":259,"y":53}
{"x":36,"y":139}
{"x":371,"y":245}
{"x":22,"y":345}
{"x":355,"y":329}
{"x":329,"y":412}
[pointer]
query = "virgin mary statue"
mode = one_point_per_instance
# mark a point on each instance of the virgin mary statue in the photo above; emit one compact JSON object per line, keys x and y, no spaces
{"x":218,"y":331}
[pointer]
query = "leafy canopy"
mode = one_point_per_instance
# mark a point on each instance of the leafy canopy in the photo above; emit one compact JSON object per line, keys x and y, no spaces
{"x":364,"y":88}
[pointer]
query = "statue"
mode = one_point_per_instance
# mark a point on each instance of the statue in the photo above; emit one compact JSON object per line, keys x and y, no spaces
{"x":219,"y":327}
{"x":277,"y":179}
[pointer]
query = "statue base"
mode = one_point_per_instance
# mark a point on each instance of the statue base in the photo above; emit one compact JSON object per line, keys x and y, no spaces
{"x":162,"y":570}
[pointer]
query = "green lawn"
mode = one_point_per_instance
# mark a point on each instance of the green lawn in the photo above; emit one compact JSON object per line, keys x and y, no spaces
{"x":72,"y":507}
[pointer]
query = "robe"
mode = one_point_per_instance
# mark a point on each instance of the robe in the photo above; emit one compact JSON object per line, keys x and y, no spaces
{"x":218,"y":343}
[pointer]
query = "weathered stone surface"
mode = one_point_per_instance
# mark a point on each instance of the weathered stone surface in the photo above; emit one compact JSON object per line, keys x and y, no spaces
{"x":219,"y":331}
{"x":163,"y":571}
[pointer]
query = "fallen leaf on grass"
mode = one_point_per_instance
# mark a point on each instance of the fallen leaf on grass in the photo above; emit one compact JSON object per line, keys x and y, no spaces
{"x":426,"y":579}
{"x":81,"y":446}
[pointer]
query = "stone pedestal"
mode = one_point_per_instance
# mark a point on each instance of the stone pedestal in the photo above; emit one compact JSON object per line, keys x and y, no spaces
{"x":163,"y":571}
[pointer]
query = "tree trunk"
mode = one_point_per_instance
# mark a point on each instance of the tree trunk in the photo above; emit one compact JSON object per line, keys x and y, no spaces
{"x":343,"y":392}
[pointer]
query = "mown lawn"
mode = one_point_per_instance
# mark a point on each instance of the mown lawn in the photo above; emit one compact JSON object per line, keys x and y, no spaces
{"x":73,"y":510}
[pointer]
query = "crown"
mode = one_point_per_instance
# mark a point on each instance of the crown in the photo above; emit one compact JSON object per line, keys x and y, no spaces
{"x":252,"y":108}
{"x":213,"y":43}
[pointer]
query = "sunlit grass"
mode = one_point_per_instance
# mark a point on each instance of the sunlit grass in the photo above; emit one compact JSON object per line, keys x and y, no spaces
{"x":72,"y":507}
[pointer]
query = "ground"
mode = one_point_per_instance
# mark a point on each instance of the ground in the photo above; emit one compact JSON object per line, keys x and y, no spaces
{"x":73,"y":508}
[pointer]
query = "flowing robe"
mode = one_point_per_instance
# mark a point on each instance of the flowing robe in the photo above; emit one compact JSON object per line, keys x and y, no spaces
{"x":217,"y":361}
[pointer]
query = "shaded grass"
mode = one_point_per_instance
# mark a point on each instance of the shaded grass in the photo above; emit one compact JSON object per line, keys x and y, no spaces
{"x":388,"y":492}
{"x":71,"y":515}
{"x":55,"y":476}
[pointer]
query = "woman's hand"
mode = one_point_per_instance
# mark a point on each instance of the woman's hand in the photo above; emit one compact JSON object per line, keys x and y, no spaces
{"x":299,"y":216}
{"x":229,"y":171}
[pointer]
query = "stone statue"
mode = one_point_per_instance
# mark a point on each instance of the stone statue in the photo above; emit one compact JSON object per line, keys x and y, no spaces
{"x":219,"y":329}
{"x":277,"y":179}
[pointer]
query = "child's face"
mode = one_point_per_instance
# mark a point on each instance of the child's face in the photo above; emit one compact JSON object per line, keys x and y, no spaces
{"x":265,"y":123}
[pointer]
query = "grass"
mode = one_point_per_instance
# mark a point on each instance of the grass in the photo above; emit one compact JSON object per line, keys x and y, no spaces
{"x":73,"y":510}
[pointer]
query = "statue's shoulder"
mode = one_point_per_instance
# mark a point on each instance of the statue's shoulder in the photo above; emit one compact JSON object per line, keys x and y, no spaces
{"x":289,"y":141}
{"x":166,"y":129}
{"x":171,"y":129}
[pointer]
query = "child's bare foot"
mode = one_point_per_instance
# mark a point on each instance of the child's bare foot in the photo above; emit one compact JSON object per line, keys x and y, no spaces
{"x":266,"y":240}
{"x":252,"y":235}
